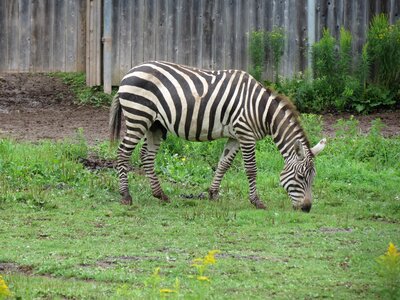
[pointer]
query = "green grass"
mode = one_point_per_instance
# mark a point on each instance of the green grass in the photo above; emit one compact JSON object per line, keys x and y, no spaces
{"x":64,"y":234}
{"x":84,"y":94}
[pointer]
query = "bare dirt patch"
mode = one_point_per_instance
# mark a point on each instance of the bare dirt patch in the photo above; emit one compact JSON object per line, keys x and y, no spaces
{"x":36,"y":106}
{"x":13,"y":267}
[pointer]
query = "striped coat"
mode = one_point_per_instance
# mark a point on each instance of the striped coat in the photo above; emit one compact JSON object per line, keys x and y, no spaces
{"x":203,"y":105}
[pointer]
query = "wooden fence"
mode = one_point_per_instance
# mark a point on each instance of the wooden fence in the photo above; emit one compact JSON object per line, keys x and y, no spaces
{"x":42,"y":35}
{"x":46,"y":35}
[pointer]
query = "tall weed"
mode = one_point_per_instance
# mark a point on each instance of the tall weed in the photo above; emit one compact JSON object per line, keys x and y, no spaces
{"x":257,"y":54}
{"x":384,"y":50}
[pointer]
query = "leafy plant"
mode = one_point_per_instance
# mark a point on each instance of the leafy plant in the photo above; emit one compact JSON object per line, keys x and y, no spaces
{"x":384,"y":51}
{"x":275,"y":43}
{"x":336,"y":85}
{"x":4,"y":290}
{"x":266,"y":46}
{"x":257,"y":54}
{"x":389,"y":270}
{"x":323,"y":55}
{"x":86,"y":95}
{"x":373,"y":96}
{"x":345,"y":52}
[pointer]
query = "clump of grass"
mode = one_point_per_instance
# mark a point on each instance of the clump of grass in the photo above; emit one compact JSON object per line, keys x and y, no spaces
{"x":4,"y":290}
{"x":389,"y":271}
{"x":202,"y":263}
{"x":85,"y":95}
{"x":156,"y":286}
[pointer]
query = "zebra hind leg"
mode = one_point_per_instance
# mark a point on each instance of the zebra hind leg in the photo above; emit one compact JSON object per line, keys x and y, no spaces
{"x":148,"y":154}
{"x":125,"y":150}
{"x":229,"y":153}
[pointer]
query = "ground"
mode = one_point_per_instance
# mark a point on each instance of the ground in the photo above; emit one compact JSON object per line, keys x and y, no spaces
{"x":64,"y":234}
{"x":36,"y":106}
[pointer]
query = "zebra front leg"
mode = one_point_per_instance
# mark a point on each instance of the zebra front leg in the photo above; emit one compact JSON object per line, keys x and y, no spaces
{"x":147,"y":155}
{"x":249,"y":158}
{"x":229,"y":153}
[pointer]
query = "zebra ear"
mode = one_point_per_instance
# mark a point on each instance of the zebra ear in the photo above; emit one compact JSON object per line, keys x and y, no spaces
{"x":318,"y":147}
{"x":299,"y":149}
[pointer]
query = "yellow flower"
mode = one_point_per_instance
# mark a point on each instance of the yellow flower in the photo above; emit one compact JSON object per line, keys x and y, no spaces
{"x":391,"y":259}
{"x":4,"y":290}
{"x":167,"y":291}
{"x":392,"y":251}
{"x":209,"y":259}
{"x":156,"y":271}
{"x":203,"y":278}
{"x":197,"y":262}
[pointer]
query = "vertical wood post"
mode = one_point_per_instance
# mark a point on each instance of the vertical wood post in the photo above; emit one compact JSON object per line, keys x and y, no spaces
{"x":107,"y":46}
{"x":310,"y":32}
{"x":93,"y":42}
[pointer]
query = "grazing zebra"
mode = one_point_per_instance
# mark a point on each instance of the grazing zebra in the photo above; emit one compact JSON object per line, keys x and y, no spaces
{"x":203,"y":105}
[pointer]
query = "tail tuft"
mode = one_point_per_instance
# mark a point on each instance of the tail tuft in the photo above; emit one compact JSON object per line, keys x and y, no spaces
{"x":115,"y":119}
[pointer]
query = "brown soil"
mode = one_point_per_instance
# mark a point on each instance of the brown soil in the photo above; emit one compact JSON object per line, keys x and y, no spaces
{"x":36,"y":106}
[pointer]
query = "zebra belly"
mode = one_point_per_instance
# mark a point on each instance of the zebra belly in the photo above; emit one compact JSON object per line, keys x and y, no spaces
{"x":205,"y":133}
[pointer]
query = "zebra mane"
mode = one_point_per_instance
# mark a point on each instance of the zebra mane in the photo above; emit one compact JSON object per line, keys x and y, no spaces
{"x":289,"y":105}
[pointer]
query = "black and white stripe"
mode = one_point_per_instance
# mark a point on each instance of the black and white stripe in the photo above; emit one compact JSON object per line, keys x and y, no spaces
{"x":203,"y":105}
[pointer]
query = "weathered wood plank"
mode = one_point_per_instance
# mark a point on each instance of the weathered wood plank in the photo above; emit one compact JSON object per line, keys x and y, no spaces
{"x":185,"y":41}
{"x":71,"y":34}
{"x":173,"y":30}
{"x":207,"y":38}
{"x":219,"y":33}
{"x":149,"y":36}
{"x":24,"y":35}
{"x":301,"y":37}
{"x":59,"y":34}
{"x":162,"y":24}
{"x":3,"y":37}
{"x":47,"y":34}
{"x":81,"y":50}
{"x":124,"y":38}
{"x":35,"y":60}
{"x":137,"y":9}
{"x":230,"y":11}
{"x":196,"y":33}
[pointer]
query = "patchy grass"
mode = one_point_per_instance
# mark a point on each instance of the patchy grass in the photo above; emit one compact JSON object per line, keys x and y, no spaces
{"x":84,"y":94}
{"x":64,"y":235}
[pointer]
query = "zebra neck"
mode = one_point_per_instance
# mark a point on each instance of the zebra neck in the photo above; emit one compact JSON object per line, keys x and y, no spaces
{"x":284,"y":126}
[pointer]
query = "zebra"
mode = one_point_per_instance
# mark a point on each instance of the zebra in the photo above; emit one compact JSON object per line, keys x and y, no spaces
{"x":202,"y":105}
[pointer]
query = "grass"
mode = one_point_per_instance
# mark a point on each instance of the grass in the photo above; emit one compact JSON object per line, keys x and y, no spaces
{"x":64,"y":235}
{"x":84,"y":94}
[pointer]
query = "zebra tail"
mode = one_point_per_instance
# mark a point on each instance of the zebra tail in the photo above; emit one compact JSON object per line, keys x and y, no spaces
{"x":115,"y":119}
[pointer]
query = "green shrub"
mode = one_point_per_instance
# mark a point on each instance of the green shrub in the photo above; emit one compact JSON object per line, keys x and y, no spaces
{"x":275,"y":43}
{"x":373,"y":96}
{"x":336,"y":86}
{"x":323,"y":56}
{"x":384,"y":51}
{"x":257,"y":54}
{"x":85,"y":95}
{"x":345,"y":53}
{"x":266,"y":46}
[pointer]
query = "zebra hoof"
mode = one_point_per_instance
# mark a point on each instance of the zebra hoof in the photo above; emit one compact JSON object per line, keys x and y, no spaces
{"x":213,"y":194}
{"x":126,"y":200}
{"x":258,"y":203}
{"x":162,"y":197}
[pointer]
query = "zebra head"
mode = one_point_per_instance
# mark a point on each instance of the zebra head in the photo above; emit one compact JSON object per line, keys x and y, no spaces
{"x":298,"y":174}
